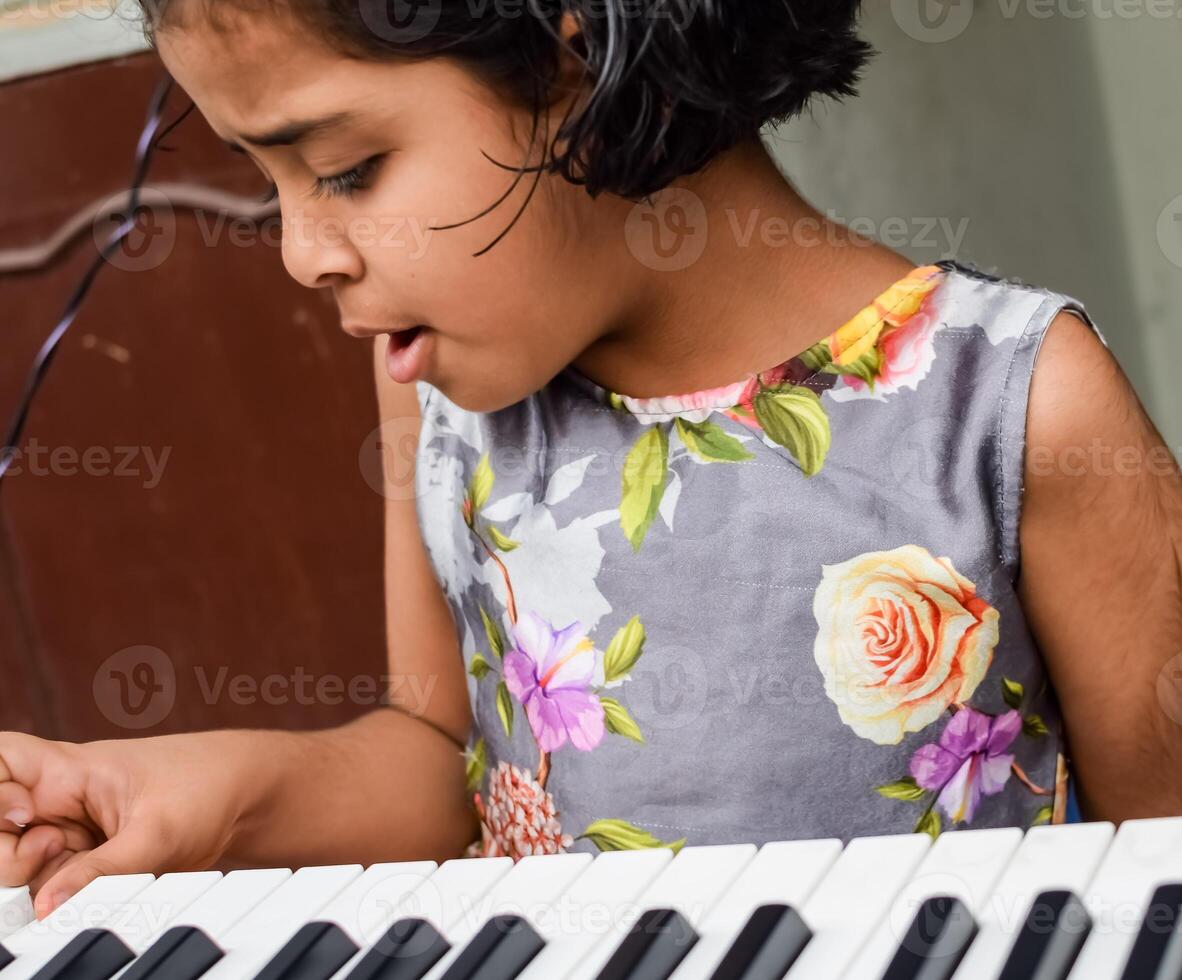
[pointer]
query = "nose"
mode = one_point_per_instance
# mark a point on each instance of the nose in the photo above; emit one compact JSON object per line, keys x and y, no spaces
{"x":317,"y":250}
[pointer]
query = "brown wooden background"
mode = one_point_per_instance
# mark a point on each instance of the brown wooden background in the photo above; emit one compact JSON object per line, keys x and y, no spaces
{"x":259,"y":553}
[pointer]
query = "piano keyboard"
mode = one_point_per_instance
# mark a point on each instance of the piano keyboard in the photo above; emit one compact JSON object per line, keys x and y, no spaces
{"x":1073,"y":901}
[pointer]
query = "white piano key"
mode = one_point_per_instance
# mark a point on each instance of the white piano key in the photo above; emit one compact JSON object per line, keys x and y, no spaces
{"x":16,"y":910}
{"x":254,"y":939}
{"x":230,"y":900}
{"x":220,"y":906}
{"x":140,"y":921}
{"x":529,"y":890}
{"x":364,"y":909}
{"x":593,"y":906}
{"x":853,"y":898}
{"x":1062,"y":856}
{"x":38,"y":942}
{"x":785,"y":873}
{"x":965,"y":864}
{"x":1143,"y":855}
{"x":443,"y":899}
{"x":692,"y":884}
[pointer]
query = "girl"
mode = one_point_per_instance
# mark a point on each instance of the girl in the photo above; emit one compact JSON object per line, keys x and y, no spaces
{"x":698,"y":533}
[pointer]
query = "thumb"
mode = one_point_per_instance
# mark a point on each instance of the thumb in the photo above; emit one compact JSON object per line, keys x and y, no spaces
{"x":132,"y":851}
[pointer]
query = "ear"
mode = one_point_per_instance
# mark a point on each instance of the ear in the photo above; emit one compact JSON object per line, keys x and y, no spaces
{"x":572,"y":52}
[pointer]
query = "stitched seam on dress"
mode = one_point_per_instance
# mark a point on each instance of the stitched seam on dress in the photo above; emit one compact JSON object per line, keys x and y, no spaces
{"x":635,"y":572}
{"x":960,"y":335}
{"x":945,"y":273}
{"x":665,"y":826}
{"x":1051,"y":302}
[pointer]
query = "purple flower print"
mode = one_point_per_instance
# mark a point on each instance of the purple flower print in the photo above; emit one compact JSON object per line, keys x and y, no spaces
{"x":969,"y":761}
{"x":550,"y":672}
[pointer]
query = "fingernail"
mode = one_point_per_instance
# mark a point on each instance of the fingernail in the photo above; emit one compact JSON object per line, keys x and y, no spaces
{"x":19,"y":816}
{"x":56,"y":900}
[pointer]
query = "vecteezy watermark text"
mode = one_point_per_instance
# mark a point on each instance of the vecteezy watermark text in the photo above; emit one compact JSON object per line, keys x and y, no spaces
{"x":118,"y":462}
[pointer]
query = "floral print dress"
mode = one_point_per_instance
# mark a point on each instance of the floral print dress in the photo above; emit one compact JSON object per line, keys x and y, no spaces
{"x":781,"y":609}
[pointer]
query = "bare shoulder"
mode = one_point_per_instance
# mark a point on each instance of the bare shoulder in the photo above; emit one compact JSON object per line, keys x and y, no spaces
{"x":1101,"y":568}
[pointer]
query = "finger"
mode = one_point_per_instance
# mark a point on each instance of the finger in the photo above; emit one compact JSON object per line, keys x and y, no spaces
{"x":51,"y":867}
{"x":132,"y":851}
{"x":16,"y":807}
{"x":23,"y":856}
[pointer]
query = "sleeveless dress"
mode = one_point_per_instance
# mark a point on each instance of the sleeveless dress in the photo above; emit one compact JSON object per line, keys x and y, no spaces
{"x":780,"y":609}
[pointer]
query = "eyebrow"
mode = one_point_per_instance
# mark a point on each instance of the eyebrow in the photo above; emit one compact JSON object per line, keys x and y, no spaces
{"x":294,"y":132}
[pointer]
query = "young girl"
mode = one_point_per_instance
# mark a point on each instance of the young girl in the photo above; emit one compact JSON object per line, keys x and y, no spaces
{"x":695,"y":532}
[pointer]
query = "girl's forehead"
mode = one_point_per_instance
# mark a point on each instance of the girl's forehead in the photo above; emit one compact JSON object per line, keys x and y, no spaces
{"x":268,"y":71}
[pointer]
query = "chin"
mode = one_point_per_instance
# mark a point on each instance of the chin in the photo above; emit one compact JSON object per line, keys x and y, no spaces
{"x":483,"y":398}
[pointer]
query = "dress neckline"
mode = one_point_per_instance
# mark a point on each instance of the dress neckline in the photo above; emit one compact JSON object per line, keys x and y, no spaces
{"x":853,"y":340}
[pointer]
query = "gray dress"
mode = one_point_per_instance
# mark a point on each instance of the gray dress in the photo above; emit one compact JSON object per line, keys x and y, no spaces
{"x":780,"y":609}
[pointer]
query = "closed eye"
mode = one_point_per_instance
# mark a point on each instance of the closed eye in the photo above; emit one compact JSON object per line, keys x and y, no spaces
{"x":350,"y":182}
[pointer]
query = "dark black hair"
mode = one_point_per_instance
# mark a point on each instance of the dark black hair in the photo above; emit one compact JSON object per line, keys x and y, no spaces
{"x":672,"y":83}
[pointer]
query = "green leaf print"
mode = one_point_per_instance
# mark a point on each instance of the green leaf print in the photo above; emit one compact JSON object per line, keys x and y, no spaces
{"x":867,"y":367}
{"x":619,"y":835}
{"x":480,"y":489}
{"x":618,"y":721}
{"x":477,"y":761}
{"x":1012,"y":692}
{"x":1042,"y":816}
{"x":818,"y":357}
{"x":646,"y":473}
{"x":929,"y":824}
{"x":902,"y":789}
{"x":711,"y":443}
{"x":479,"y":667}
{"x":500,"y":541}
{"x":623,"y":651}
{"x":505,"y":707}
{"x":493,"y":631}
{"x":1034,"y":726}
{"x":794,"y":418}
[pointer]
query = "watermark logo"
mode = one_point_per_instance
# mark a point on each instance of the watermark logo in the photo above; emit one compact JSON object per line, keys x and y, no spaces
{"x":387,"y":458}
{"x":401,"y":21}
{"x":136,"y":687}
{"x":669,"y":691}
{"x":932,"y":21}
{"x":151,"y":238}
{"x":1169,"y":689}
{"x":669,"y":232}
{"x":923,"y":461}
{"x":1169,"y":231}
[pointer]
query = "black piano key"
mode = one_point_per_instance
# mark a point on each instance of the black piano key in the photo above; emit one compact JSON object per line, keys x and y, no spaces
{"x":500,"y":951}
{"x":1157,"y":950}
{"x":182,"y":953}
{"x":406,"y":952}
{"x":653,"y":948}
{"x":315,"y":952}
{"x":5,"y":957}
{"x":935,"y":942}
{"x":1050,"y":938}
{"x":93,"y":954}
{"x":767,"y":945}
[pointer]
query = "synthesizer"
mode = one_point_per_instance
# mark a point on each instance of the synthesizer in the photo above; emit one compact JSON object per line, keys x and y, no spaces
{"x":1082,"y":901}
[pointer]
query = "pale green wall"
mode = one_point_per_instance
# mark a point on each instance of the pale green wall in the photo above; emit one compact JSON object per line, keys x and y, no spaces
{"x":1056,"y":139}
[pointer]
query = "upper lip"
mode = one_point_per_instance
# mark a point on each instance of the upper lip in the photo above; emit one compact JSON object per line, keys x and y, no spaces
{"x":364,"y":331}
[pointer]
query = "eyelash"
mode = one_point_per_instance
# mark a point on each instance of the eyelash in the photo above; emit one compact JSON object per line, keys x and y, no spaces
{"x":345,"y":184}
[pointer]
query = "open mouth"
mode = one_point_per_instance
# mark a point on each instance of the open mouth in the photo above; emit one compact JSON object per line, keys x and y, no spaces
{"x":402,"y":339}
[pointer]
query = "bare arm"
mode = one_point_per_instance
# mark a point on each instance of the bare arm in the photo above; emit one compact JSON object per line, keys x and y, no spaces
{"x":1101,"y":577}
{"x":396,"y":776}
{"x":386,"y":787}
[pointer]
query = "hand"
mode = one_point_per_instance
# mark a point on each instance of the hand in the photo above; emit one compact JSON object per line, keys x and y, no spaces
{"x":70,"y":813}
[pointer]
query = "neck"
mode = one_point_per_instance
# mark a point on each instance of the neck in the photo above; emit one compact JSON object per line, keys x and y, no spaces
{"x":774,"y":277}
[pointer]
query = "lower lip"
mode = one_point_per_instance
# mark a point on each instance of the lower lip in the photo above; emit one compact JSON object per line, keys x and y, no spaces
{"x":406,"y":361}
